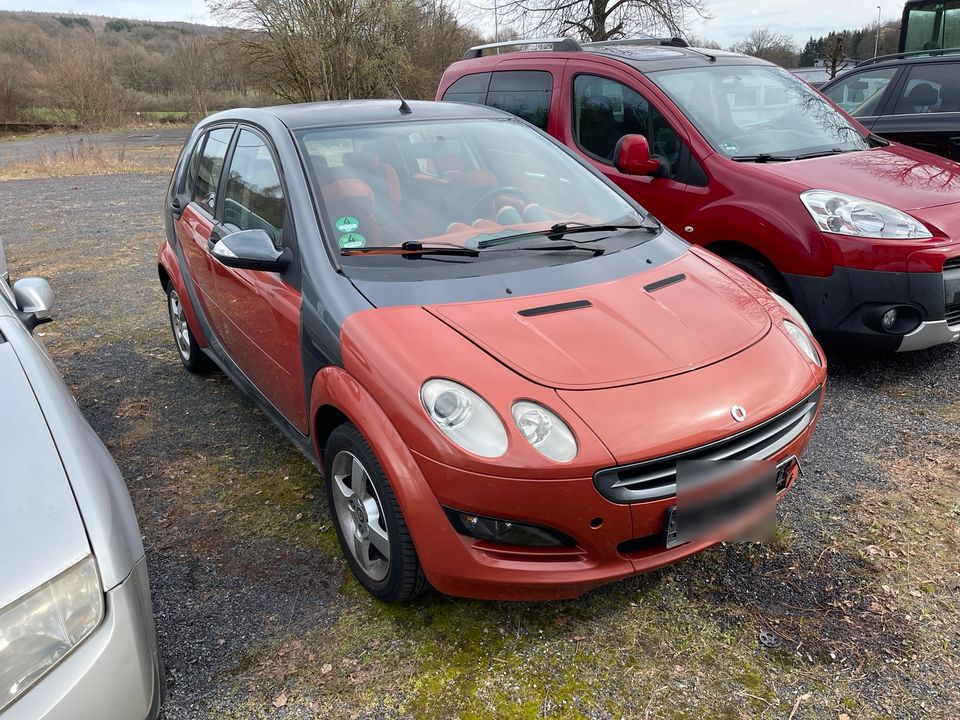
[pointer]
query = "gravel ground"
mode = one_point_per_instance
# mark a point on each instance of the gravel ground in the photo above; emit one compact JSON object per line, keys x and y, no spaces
{"x":258,"y":617}
{"x":14,"y":149}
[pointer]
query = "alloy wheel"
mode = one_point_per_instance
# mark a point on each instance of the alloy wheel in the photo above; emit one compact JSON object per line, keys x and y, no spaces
{"x":360,"y":515}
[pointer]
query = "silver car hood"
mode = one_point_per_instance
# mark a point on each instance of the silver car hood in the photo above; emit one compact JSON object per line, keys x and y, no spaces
{"x":41,"y":531}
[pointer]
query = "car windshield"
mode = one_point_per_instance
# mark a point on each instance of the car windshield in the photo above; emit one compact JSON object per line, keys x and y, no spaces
{"x":758,"y":112}
{"x":467,"y":187}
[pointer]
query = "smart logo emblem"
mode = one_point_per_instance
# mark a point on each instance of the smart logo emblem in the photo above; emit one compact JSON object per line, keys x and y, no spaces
{"x":739,"y":413}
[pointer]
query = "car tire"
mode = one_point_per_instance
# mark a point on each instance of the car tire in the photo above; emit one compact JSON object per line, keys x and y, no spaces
{"x":370,"y":524}
{"x":761,"y":270}
{"x":191,"y":355}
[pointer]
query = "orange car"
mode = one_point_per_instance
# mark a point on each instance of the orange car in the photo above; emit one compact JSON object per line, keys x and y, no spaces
{"x":495,"y":356}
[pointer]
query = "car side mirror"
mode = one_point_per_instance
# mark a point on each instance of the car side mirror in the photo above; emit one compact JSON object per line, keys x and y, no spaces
{"x":34,"y":298}
{"x":632,"y":156}
{"x":250,"y":250}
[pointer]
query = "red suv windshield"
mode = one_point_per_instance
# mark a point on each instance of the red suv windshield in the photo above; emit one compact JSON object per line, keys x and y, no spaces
{"x":745,"y":111}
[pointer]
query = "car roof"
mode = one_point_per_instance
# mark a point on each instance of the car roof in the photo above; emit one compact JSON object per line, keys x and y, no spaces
{"x":644,"y":54}
{"x":909,"y":58}
{"x":356,"y":112}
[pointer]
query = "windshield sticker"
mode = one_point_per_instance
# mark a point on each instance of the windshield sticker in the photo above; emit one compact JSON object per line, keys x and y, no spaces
{"x":347,"y":224}
{"x":352,"y":240}
{"x":729,"y":147}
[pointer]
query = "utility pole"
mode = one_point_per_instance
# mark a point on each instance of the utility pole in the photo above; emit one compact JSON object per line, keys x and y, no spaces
{"x":496,"y":23}
{"x":876,"y":44}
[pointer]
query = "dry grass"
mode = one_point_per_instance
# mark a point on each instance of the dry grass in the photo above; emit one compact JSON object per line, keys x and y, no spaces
{"x":86,"y":158}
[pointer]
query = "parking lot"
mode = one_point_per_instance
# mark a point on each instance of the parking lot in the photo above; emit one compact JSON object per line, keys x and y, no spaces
{"x":258,"y":615}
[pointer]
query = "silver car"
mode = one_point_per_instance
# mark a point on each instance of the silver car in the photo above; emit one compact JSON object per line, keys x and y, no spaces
{"x":77,"y":638}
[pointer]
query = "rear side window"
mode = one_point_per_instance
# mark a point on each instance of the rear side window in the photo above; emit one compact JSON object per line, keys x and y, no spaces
{"x":469,"y":88}
{"x":604,"y":111}
{"x":254,"y":194}
{"x":524,"y":93}
{"x":189,"y":178}
{"x":930,"y":88}
{"x":209,"y":167}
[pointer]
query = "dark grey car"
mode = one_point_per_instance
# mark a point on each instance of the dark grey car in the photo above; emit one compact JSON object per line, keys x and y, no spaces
{"x":77,"y":638}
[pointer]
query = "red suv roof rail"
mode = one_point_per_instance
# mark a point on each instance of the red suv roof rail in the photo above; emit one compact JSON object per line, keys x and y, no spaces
{"x":562,"y":44}
{"x":913,"y":53}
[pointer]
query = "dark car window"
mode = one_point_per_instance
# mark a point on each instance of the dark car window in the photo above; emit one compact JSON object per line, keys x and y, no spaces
{"x":604,"y":111}
{"x":523,"y":93}
{"x":469,"y":88}
{"x":189,"y":178}
{"x":930,"y":88}
{"x":860,"y":93}
{"x":254,"y":194}
{"x":208,"y":170}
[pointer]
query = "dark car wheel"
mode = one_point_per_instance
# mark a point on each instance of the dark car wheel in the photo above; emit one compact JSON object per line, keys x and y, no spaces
{"x":370,"y":525}
{"x":762,"y":271}
{"x":191,"y":355}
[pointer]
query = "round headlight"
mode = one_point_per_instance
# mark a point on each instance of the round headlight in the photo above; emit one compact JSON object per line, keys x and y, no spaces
{"x":545,"y":431}
{"x":803,"y":342}
{"x":464,"y":417}
{"x":792,"y":312}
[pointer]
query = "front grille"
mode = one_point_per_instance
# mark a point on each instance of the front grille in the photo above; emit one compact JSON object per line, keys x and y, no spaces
{"x":656,"y":479}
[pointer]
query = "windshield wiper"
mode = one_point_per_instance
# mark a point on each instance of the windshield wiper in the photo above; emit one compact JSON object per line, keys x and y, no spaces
{"x":558,"y":231}
{"x":762,"y":158}
{"x":413,"y":248}
{"x":821,"y":153}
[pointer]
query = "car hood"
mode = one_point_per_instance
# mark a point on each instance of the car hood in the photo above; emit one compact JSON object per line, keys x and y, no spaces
{"x":896,"y":175}
{"x":41,"y":530}
{"x":683,"y":315}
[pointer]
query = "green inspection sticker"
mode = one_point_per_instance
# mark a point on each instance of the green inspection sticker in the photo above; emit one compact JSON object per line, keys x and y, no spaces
{"x":347,"y":224}
{"x":352,"y":240}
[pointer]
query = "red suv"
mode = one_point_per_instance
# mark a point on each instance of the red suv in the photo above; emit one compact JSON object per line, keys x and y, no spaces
{"x":738,"y":155}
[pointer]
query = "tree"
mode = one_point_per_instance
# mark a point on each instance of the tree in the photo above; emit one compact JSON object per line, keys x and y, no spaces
{"x":598,"y":20}
{"x":81,"y":85}
{"x":194,"y":60}
{"x":13,"y":87}
{"x":771,"y":46}
{"x":836,"y":54}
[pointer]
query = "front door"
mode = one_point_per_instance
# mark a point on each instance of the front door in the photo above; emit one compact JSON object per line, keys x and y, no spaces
{"x":196,"y":221}
{"x":601,"y":109}
{"x":261,"y":310}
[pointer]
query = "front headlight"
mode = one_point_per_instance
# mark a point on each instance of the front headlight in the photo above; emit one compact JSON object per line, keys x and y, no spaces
{"x":544,"y":430}
{"x":792,"y":312}
{"x":803,"y":342}
{"x":849,"y":215}
{"x":39,"y":629}
{"x":464,"y":417}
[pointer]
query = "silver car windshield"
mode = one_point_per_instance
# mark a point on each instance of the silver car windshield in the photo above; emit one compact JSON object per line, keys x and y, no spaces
{"x":758,"y":112}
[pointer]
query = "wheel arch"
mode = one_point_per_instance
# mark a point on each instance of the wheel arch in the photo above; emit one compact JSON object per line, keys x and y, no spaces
{"x":728,"y":249}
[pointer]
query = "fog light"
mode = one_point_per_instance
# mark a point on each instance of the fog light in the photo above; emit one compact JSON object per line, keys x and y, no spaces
{"x":505,"y":532}
{"x":889,"y":319}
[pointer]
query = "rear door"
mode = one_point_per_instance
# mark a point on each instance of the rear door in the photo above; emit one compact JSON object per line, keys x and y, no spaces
{"x":926,"y":110}
{"x":261,"y":310}
{"x":603,"y":103}
{"x":198,"y":195}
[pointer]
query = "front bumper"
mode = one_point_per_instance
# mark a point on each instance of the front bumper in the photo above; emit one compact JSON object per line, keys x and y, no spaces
{"x":843,"y":308}
{"x":115,"y":674}
{"x":613,"y":540}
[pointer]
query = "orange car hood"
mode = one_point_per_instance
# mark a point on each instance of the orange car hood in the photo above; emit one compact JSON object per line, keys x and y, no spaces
{"x":683,"y":315}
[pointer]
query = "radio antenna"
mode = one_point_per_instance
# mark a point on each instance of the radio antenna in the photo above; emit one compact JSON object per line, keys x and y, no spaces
{"x":405,"y":109}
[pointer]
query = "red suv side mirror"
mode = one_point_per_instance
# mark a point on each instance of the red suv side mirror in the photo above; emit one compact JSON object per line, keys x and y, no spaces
{"x":632,"y":156}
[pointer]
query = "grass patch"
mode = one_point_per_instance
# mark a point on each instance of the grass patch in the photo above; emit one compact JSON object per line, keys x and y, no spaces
{"x":87,"y":158}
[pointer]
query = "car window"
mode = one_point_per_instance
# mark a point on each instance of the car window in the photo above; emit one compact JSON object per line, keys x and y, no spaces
{"x":209,"y":167}
{"x":189,"y":178}
{"x":860,"y":94}
{"x":604,"y":111}
{"x":469,"y":88}
{"x":523,"y":93}
{"x":930,"y":88}
{"x":254,"y":194}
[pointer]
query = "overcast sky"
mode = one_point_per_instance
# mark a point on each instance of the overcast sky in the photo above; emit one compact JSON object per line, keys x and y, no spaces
{"x":732,"y":19}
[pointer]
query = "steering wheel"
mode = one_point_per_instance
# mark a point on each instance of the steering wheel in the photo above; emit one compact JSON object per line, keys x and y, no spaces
{"x":490,"y":194}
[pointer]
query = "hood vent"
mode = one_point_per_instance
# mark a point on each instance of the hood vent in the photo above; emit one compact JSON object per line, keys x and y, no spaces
{"x":559,"y":307}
